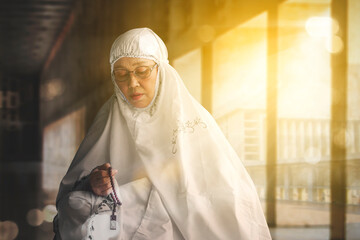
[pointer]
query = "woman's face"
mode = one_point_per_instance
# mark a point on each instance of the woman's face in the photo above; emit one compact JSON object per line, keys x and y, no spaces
{"x":136,"y":78}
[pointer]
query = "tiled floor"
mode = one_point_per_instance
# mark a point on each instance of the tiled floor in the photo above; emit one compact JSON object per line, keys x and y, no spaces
{"x":313,"y":233}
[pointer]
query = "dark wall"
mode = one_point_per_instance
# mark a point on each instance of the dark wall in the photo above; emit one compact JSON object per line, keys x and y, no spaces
{"x":76,"y":74}
{"x":19,"y":150}
{"x":81,"y":63}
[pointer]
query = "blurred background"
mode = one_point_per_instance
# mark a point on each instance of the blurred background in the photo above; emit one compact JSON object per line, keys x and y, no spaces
{"x":281,"y":78}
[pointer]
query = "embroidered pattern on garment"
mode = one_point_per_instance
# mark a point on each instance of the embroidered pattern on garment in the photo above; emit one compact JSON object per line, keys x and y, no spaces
{"x":185,"y":127}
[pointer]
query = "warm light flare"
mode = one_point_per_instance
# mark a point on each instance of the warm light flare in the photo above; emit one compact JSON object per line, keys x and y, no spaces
{"x":321,"y":27}
{"x":334,"y":45}
{"x":312,"y":155}
{"x":49,"y":213}
{"x":52,"y":89}
{"x":35,"y":217}
{"x":8,"y":230}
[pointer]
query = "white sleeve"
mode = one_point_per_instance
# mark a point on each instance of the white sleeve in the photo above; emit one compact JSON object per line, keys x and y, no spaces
{"x":74,"y":210}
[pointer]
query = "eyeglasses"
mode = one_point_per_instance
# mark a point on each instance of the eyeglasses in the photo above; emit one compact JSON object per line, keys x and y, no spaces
{"x":141,"y":72}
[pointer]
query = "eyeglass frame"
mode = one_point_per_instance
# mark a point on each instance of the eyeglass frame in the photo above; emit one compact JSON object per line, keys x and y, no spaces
{"x":133,"y":72}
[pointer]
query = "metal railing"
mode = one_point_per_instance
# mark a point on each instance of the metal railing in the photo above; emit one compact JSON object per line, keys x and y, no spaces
{"x":299,"y":140}
{"x":303,"y":150}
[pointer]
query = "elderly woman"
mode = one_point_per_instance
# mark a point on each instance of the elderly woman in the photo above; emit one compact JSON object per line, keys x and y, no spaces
{"x":173,"y":173}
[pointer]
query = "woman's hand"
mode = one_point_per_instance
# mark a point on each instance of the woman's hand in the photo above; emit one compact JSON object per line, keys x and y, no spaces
{"x":100,"y":181}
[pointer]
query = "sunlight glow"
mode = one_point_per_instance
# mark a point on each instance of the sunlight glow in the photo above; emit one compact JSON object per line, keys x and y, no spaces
{"x":334,"y":44}
{"x":321,"y":27}
{"x":240,"y":67}
{"x":312,"y":155}
{"x":340,"y":140}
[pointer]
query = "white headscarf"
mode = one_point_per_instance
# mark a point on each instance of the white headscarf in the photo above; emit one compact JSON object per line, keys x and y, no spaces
{"x":201,"y":182}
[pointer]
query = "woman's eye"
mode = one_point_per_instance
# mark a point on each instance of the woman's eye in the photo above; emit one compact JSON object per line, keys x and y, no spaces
{"x":120,"y":73}
{"x":142,"y":71}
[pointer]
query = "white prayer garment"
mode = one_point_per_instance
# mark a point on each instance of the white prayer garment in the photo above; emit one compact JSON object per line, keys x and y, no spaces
{"x":178,"y":177}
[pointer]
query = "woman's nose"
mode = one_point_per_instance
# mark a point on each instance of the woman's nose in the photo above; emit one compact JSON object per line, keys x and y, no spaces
{"x":133,"y":81}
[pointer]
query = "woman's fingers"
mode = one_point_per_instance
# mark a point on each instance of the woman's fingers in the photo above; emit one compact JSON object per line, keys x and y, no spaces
{"x":113,"y":172}
{"x":102,"y":192}
{"x":102,"y":177}
{"x":105,"y":166}
{"x":100,"y":180}
{"x":102,"y":189}
{"x":106,"y":192}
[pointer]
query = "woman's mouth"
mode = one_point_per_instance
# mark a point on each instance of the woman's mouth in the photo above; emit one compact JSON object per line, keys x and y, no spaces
{"x":136,"y":96}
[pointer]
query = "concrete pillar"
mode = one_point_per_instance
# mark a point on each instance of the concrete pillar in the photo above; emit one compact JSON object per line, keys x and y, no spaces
{"x":338,"y":125}
{"x":207,"y":76}
{"x":271,"y":111}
